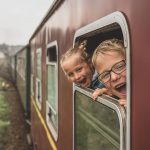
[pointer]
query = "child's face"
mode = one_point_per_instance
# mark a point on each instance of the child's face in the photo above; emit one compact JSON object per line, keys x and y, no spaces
{"x":78,"y":71}
{"x":117,"y":82}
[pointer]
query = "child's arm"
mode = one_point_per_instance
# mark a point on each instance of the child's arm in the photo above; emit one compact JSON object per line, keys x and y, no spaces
{"x":123,"y":102}
{"x":99,"y":92}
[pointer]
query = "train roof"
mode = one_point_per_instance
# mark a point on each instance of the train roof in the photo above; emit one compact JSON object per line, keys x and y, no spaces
{"x":50,"y":11}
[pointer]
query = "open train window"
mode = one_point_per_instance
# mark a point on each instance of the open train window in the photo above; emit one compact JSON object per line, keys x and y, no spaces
{"x":52,"y":89}
{"x":38,"y":78}
{"x":108,"y":27}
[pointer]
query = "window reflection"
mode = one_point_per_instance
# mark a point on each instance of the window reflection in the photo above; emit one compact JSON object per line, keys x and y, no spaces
{"x":96,"y":125}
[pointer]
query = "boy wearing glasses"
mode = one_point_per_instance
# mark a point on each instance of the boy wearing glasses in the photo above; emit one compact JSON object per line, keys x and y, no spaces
{"x":109,"y":60}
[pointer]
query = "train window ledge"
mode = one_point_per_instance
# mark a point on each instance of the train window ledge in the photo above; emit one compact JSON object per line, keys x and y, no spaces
{"x":85,"y":111}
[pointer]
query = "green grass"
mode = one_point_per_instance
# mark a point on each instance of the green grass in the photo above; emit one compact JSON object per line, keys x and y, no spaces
{"x":4,"y":115}
{"x":1,"y":80}
{"x":3,"y":127}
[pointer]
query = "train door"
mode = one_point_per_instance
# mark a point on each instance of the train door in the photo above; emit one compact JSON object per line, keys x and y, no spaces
{"x":102,"y":124}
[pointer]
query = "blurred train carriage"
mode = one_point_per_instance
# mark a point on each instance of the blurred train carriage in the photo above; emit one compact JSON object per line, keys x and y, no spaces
{"x":63,"y":116}
{"x":20,"y":73}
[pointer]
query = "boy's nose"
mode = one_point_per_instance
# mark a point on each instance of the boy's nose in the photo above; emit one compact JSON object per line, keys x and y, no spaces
{"x":77,"y":76}
{"x":114,"y":76}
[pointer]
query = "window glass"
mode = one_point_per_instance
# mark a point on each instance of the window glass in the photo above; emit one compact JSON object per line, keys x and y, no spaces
{"x":39,"y":65}
{"x":96,"y":125}
{"x":21,"y":64}
{"x":32,"y":62}
{"x":32,"y":71}
{"x":38,"y":77}
{"x":51,"y":85}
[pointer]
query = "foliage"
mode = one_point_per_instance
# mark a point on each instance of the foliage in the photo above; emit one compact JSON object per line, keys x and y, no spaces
{"x":4,"y":115}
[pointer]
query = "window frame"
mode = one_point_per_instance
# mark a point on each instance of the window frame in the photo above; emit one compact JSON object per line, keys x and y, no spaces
{"x":119,"y":18}
{"x":37,"y":80}
{"x":111,"y":103}
{"x":48,"y":105}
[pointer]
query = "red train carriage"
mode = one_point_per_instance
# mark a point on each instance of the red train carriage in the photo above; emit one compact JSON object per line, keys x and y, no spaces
{"x":63,"y":116}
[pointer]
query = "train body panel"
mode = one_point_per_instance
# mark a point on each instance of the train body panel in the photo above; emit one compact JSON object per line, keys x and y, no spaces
{"x":55,"y":110}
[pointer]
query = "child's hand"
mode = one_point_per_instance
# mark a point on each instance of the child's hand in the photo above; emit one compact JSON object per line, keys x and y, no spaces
{"x":99,"y":92}
{"x":123,"y":102}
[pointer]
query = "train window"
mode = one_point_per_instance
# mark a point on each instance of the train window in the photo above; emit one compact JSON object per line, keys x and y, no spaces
{"x":21,"y":65}
{"x":52,"y":89}
{"x":97,"y":125}
{"x":13,"y":65}
{"x":108,"y":27}
{"x":38,"y":77}
{"x":32,"y":71}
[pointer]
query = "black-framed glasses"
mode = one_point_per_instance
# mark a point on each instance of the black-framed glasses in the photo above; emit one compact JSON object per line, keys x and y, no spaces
{"x":116,"y":68}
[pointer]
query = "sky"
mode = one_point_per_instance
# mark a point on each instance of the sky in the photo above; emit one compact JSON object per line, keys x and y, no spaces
{"x":20,"y":18}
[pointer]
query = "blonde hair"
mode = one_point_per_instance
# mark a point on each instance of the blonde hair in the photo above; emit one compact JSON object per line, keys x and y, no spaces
{"x":113,"y":45}
{"x":81,"y":50}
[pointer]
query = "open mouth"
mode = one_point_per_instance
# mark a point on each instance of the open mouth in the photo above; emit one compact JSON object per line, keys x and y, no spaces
{"x":121,"y":88}
{"x":82,"y":82}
